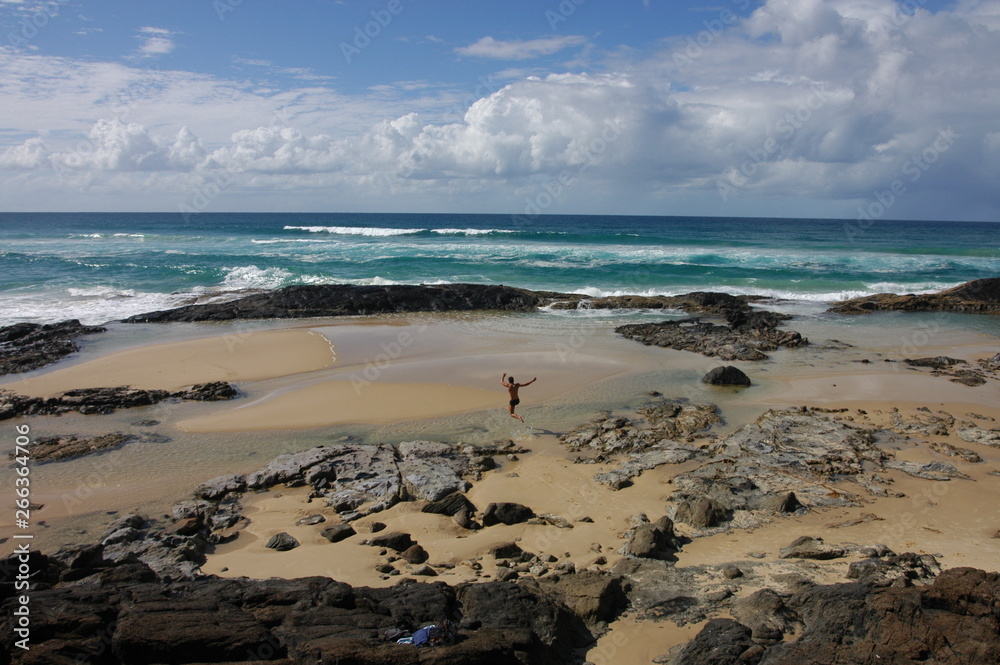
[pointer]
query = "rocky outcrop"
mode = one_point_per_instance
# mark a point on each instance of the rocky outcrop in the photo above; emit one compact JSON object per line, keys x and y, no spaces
{"x":783,"y":461}
{"x":662,"y":436}
{"x":117,"y":613}
{"x":981,"y":296}
{"x":698,"y":302}
{"x":90,"y":401}
{"x":749,"y":339}
{"x":326,"y":300}
{"x":56,"y":448}
{"x":28,"y":346}
{"x":951,"y":621}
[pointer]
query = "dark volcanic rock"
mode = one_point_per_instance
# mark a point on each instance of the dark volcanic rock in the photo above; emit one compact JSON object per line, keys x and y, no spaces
{"x":337,"y":532}
{"x":394,"y":540}
{"x":450,"y":505}
{"x":713,"y":340}
{"x":720,"y":642}
{"x":652,"y":540}
{"x":126,"y":614}
{"x":28,"y":346}
{"x":726,"y":376}
{"x":950,"y":622}
{"x":981,"y":296}
{"x":506,"y":513}
{"x":309,"y":301}
{"x":90,"y":401}
{"x":281,"y":542}
{"x":54,"y":448}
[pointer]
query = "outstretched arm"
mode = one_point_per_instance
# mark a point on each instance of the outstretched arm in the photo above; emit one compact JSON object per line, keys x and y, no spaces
{"x":530,"y":382}
{"x":503,"y":380}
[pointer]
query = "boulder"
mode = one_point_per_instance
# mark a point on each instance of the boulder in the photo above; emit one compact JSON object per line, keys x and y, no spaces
{"x":415,"y":554}
{"x":337,"y":532}
{"x":506,"y":513}
{"x":509,"y":550}
{"x":702,"y":512}
{"x":393,"y":540}
{"x":726,"y":376}
{"x":652,"y":540}
{"x":281,"y":542}
{"x":450,"y":505}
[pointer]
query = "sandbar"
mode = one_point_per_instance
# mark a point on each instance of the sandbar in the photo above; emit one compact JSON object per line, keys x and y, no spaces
{"x":247,"y":356}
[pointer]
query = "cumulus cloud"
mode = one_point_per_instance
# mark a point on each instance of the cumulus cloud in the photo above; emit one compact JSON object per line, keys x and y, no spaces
{"x":828,"y":102}
{"x":488,"y":47}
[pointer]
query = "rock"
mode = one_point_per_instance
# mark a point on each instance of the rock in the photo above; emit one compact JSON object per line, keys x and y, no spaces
{"x":509,"y":550}
{"x":219,"y":487}
{"x":337,"y":532}
{"x":981,"y":296}
{"x":430,"y":470}
{"x":974,"y":434}
{"x":720,"y":642}
{"x":702,"y":512}
{"x":556,"y":521}
{"x":450,"y":505}
{"x":394,"y":540}
{"x":807,"y":547}
{"x":28,"y":346}
{"x":764,"y":612}
{"x":731,"y":572}
{"x":748,"y":335}
{"x":415,"y":554}
{"x":310,"y":520}
{"x":506,"y":513}
{"x":954,"y":451}
{"x":654,"y":540}
{"x":726,"y":376}
{"x":288,"y":467}
{"x":595,"y":597}
{"x":326,"y":300}
{"x":908,"y":567}
{"x":58,"y":448}
{"x":424,"y":571}
{"x":938,"y":362}
{"x":126,"y":613}
{"x":281,"y":542}
{"x":929,"y":471}
{"x":185,"y":527}
{"x":780,"y":503}
{"x":90,"y":401}
{"x":375,"y":527}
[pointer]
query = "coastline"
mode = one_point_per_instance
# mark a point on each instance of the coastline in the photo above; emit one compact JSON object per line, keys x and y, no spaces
{"x":433,"y":360}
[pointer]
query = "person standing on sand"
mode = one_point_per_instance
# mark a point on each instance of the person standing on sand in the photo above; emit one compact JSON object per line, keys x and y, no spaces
{"x":511,"y":385}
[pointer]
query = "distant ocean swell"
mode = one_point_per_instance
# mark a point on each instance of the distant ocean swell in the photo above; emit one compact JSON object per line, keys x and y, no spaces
{"x":105,"y":267}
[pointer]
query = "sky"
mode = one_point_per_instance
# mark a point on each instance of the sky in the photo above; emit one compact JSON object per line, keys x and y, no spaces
{"x":856,"y":109}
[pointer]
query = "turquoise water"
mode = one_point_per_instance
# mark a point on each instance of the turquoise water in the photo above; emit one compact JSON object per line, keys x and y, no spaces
{"x":100,"y":267}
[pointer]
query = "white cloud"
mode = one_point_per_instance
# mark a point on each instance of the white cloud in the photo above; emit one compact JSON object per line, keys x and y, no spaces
{"x":824,"y":102}
{"x":155,"y":42}
{"x":488,"y":47}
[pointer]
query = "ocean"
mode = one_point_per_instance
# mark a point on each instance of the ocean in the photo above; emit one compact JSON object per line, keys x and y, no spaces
{"x":100,"y":267}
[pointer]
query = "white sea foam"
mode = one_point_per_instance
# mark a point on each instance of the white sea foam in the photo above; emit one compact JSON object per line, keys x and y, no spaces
{"x":372,"y":231}
{"x":252,"y":277}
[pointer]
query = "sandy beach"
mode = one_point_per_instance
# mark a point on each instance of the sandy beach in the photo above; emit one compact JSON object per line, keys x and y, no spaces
{"x":320,"y":377}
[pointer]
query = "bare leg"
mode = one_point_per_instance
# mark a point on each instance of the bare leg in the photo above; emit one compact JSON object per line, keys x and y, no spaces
{"x":514,"y":415}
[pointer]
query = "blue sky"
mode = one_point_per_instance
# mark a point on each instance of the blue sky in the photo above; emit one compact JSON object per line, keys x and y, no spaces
{"x":815,"y":108}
